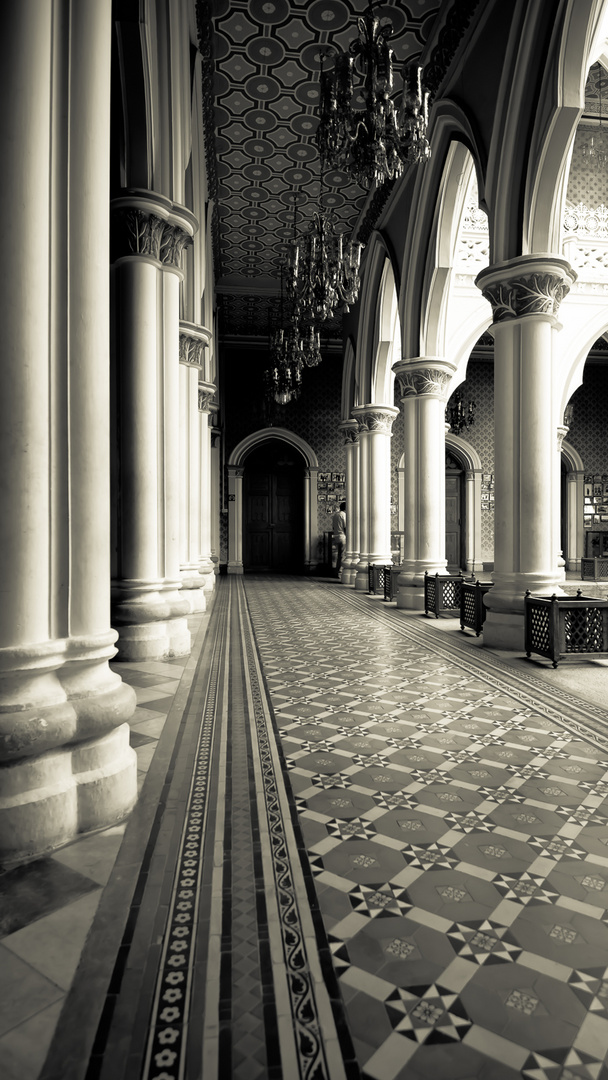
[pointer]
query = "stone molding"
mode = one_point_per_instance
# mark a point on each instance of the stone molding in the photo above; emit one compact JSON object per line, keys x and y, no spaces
{"x":427,"y":381}
{"x":150,"y":225}
{"x":529,"y":285}
{"x":375,"y":418}
{"x":561,"y":435}
{"x":206,"y":395}
{"x":350,"y":431}
{"x":191,"y":350}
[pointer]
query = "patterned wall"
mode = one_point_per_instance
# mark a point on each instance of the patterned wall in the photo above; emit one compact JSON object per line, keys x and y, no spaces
{"x":588,"y":432}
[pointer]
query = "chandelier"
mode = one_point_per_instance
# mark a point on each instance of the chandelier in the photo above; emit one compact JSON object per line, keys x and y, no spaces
{"x":594,"y":153}
{"x":375,"y":143}
{"x":458,"y":415}
{"x":323,"y":270}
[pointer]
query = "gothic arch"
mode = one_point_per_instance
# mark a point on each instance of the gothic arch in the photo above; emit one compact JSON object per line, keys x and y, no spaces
{"x":236,"y":468}
{"x":380,"y":281}
{"x":574,"y":539}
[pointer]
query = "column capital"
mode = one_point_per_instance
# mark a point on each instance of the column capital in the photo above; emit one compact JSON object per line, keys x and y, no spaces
{"x":561,"y":435}
{"x":375,"y":417}
{"x":424,"y":376}
{"x":206,"y":394}
{"x":528,"y":285}
{"x":153,"y":226}
{"x":350,"y":430}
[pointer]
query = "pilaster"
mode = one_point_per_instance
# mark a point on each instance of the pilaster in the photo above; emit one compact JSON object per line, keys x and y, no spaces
{"x":206,"y":404}
{"x":235,"y":519}
{"x":424,"y":384}
{"x":350,"y":430}
{"x":525,"y":295}
{"x":192,"y":342}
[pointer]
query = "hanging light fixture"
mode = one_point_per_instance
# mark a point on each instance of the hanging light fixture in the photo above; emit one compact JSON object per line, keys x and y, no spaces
{"x":375,"y":143}
{"x":323,"y":269}
{"x":287,"y":355}
{"x":458,"y":415}
{"x":594,"y":153}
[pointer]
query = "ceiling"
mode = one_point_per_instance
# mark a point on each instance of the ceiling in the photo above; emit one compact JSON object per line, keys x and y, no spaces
{"x":261,"y":91}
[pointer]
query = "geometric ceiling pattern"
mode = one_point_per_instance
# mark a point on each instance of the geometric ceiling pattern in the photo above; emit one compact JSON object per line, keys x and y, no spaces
{"x":265,"y":57}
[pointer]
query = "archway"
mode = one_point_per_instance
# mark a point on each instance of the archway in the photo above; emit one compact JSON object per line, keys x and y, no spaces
{"x":236,"y":471}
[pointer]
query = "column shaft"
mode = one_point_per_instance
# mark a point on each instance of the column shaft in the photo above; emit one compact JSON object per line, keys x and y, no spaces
{"x":525,"y":295}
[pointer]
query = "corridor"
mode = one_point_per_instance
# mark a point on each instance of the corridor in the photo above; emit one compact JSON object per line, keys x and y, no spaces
{"x":364,"y":847}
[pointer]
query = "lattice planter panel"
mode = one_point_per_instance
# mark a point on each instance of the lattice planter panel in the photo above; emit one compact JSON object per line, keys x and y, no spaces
{"x":575,"y":627}
{"x":472,"y":608}
{"x":594,"y":569}
{"x":441,"y":592}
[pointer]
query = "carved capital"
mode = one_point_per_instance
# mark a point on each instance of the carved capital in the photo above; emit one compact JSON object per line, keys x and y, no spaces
{"x":424,"y":381}
{"x":561,"y":435}
{"x":150,"y":225}
{"x":190,"y":350}
{"x":350,"y":431}
{"x":526,"y":286}
{"x":206,"y":394}
{"x":375,"y":417}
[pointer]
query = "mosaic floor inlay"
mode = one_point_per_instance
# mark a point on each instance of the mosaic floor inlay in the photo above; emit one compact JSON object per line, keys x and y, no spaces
{"x":372,"y":853}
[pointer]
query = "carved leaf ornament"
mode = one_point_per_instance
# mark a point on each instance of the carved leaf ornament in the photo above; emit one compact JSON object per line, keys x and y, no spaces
{"x":538,"y":294}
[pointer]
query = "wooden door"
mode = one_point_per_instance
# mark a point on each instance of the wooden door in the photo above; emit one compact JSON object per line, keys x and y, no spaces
{"x":273,"y":501}
{"x":453,"y":525}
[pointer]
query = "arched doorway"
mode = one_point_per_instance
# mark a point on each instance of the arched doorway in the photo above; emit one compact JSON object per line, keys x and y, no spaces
{"x":273,"y":482}
{"x":454,"y":514}
{"x":284,"y":441}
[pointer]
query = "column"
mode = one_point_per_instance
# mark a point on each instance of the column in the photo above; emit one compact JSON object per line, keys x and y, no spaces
{"x":562,"y":431}
{"x":216,"y":484}
{"x":375,"y":423}
{"x":360,"y":573}
{"x":424,"y":386}
{"x":235,"y":519}
{"x":472,"y":512}
{"x":575,"y":529}
{"x":525,"y":295}
{"x":350,"y":429}
{"x":65,"y":761}
{"x":148,"y":608}
{"x":192,"y":342}
{"x":206,"y":567}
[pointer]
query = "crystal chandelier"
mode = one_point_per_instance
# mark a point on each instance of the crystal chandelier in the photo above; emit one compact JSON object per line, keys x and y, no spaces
{"x":594,"y":153}
{"x":375,"y":143}
{"x":284,"y":376}
{"x":323,"y":270}
{"x":458,"y":415}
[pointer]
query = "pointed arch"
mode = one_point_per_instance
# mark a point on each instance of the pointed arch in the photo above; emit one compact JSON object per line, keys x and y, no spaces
{"x":376,"y":308}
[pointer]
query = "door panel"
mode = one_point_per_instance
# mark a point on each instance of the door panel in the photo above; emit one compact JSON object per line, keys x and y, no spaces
{"x":273,"y":498}
{"x":452,"y":521}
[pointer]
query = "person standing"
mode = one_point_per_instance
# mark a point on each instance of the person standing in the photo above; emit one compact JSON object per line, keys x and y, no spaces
{"x":338,"y":524}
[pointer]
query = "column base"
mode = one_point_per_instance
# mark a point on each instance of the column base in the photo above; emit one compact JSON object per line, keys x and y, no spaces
{"x":154,"y":641}
{"x":410,"y":598}
{"x":234,"y":568}
{"x":192,"y":590}
{"x":48,"y":800}
{"x":504,"y":631}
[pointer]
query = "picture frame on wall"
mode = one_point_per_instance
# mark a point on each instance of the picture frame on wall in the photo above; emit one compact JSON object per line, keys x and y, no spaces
{"x":338,"y":477}
{"x":323,"y":477}
{"x":321,"y":496}
{"x":588,"y":489}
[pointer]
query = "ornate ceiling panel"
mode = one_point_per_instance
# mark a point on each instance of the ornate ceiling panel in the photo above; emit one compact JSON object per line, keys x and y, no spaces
{"x":262,"y":95}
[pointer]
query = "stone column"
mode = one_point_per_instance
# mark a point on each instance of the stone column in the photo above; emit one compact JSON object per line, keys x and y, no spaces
{"x":235,"y":519}
{"x":424,"y":386}
{"x":350,"y":428}
{"x":472,"y":512}
{"x":360,"y":578}
{"x":575,"y":530}
{"x":65,"y":761}
{"x":206,"y":568}
{"x":562,"y":431}
{"x":148,"y":609}
{"x":216,"y":483}
{"x":375,"y":423}
{"x":191,"y":347}
{"x":525,"y":295}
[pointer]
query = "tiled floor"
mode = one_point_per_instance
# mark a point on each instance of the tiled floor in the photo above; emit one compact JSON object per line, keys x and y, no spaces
{"x":364,"y":847}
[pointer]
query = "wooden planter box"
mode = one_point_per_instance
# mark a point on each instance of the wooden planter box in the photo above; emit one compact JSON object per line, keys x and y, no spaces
{"x":472,"y":608}
{"x":441,"y":592}
{"x":566,"y":626}
{"x":594,"y":569}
